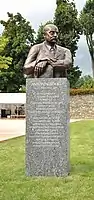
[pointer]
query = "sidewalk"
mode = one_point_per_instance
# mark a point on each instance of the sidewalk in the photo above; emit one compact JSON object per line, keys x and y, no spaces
{"x":11,"y":128}
{"x":15,"y":128}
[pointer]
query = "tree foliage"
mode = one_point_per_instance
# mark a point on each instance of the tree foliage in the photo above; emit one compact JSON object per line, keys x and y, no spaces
{"x":87,"y":21}
{"x":85,"y":82}
{"x":20,"y":36}
{"x":39,"y":37}
{"x":74,"y":74}
{"x":4,"y":61}
{"x":66,"y":19}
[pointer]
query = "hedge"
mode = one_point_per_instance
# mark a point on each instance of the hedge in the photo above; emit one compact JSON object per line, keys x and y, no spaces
{"x":81,"y":91}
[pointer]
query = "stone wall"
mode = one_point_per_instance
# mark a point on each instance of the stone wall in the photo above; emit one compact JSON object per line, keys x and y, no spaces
{"x":82,"y":106}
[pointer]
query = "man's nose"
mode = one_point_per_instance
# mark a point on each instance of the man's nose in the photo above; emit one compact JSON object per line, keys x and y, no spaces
{"x":55,"y":34}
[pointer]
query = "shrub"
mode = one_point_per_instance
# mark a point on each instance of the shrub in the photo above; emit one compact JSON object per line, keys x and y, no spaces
{"x":85,"y":82}
{"x":81,"y":91}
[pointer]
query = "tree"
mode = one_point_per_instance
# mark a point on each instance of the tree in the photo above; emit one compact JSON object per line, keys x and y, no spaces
{"x":20,"y":37}
{"x":39,"y":37}
{"x":4,"y":61}
{"x":87,"y":21}
{"x":73,"y":76}
{"x":66,"y":19}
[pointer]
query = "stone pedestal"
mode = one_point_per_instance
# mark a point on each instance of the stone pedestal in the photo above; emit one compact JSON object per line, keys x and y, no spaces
{"x":47,"y":127}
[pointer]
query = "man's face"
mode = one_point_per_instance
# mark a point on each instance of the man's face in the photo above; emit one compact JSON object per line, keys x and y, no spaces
{"x":51,"y":35}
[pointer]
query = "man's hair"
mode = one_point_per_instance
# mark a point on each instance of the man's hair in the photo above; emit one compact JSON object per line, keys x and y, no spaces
{"x":46,"y":27}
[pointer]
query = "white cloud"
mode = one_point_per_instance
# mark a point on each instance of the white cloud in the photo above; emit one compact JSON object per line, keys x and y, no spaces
{"x":36,"y":11}
{"x":33,"y":10}
{"x":80,"y":4}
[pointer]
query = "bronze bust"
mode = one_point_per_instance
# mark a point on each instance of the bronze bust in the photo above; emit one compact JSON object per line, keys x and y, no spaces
{"x":47,"y":59}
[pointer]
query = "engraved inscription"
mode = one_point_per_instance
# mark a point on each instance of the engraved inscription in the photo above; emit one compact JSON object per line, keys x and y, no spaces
{"x":47,"y":138}
{"x":46,"y":111}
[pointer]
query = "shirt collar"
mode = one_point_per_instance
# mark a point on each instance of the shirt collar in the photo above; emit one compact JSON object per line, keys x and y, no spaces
{"x":49,"y":47}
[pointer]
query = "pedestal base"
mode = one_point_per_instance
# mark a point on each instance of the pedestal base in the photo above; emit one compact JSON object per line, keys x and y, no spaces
{"x":47,"y":127}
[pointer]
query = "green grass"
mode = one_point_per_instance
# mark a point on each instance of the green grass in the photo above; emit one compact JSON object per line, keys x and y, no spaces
{"x":79,"y":185}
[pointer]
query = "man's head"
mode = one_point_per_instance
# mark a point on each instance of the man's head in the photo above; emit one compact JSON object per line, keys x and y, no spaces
{"x":51,"y":33}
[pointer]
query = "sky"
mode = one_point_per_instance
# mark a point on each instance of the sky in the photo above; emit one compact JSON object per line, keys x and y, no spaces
{"x":40,"y":11}
{"x":36,"y":11}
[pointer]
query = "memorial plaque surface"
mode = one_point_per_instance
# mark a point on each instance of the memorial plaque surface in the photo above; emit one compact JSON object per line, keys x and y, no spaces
{"x":47,"y":127}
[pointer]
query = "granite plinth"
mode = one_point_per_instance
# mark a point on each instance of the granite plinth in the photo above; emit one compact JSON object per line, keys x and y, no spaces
{"x":47,"y":127}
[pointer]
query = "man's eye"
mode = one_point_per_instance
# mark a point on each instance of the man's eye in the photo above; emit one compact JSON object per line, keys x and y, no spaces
{"x":52,"y":32}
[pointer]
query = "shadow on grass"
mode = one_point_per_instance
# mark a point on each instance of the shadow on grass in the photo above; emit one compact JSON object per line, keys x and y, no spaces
{"x":85,"y":168}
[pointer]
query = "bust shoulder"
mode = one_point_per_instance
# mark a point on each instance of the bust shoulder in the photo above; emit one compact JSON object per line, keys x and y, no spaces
{"x":38,"y":45}
{"x":64,"y":49}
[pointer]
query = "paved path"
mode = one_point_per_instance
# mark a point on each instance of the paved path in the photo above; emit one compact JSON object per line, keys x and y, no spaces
{"x":11,"y":128}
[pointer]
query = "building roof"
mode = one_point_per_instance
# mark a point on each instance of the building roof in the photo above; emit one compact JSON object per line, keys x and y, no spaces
{"x":13,"y":98}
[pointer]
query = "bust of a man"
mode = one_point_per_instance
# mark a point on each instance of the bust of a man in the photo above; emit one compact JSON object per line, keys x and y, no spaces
{"x":47,"y":59}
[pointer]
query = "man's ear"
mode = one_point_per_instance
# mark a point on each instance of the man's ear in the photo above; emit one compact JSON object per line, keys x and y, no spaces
{"x":44,"y":35}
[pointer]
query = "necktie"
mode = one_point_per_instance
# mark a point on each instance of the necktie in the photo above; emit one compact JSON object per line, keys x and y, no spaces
{"x":52,"y":51}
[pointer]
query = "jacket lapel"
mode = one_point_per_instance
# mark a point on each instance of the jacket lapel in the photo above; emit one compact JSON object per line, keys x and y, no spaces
{"x":45,"y":49}
{"x":58,"y":51}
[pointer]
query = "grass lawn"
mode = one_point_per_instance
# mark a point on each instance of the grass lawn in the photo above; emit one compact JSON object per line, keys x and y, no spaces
{"x":79,"y":185}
